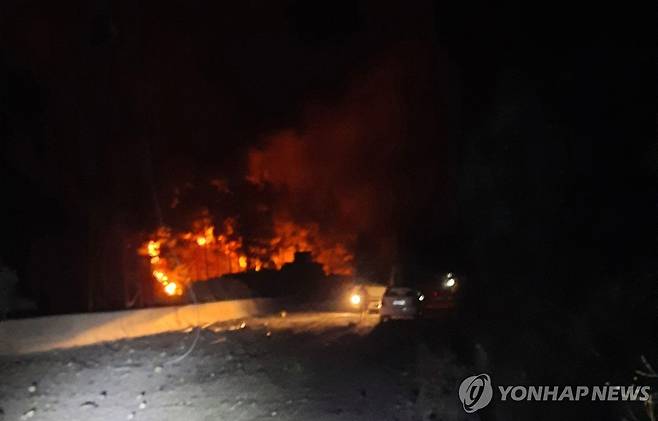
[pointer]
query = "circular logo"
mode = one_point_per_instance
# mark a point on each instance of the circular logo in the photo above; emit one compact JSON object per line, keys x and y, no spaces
{"x":475,"y":392}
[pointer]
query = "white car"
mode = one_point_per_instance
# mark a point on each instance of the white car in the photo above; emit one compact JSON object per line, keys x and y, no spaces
{"x":400,"y":303}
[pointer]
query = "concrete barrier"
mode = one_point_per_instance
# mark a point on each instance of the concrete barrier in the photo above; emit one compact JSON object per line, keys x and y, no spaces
{"x":55,"y":332}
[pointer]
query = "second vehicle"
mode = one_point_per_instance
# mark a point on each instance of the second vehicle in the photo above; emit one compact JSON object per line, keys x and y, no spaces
{"x":401,"y":303}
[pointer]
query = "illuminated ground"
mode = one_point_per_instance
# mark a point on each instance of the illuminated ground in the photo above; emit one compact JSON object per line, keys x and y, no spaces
{"x":311,"y":366}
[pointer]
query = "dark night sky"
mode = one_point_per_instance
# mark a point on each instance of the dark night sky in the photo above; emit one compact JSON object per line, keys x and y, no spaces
{"x":478,"y":127}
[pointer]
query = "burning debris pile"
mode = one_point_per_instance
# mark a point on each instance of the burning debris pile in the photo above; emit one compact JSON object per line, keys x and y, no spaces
{"x":208,"y":251}
{"x":179,"y":257}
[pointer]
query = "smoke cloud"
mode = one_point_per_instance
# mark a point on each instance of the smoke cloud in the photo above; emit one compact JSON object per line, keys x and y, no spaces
{"x":339,"y":170}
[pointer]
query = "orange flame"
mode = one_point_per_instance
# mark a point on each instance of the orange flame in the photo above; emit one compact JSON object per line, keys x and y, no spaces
{"x":170,"y":288}
{"x":153,"y":248}
{"x":179,"y":258}
{"x":242,"y":262}
{"x":331,"y":253}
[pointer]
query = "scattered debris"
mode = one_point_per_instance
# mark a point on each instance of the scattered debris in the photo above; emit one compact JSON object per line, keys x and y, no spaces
{"x":261,"y":362}
{"x":29,"y":414}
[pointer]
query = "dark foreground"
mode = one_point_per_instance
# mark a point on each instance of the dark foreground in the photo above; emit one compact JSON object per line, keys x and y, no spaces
{"x":320,"y":366}
{"x":309,"y":366}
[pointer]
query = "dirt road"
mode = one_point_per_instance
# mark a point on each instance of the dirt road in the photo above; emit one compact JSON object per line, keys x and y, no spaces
{"x":309,"y":366}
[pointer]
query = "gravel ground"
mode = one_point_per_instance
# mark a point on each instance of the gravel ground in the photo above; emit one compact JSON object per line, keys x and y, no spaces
{"x":311,"y":366}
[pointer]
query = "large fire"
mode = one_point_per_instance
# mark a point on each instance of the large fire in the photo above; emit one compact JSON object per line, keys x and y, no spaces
{"x":290,"y":238}
{"x":207,"y":251}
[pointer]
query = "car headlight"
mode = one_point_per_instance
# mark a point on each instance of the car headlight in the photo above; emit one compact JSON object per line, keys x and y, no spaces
{"x":450,"y":282}
{"x":421,"y":297}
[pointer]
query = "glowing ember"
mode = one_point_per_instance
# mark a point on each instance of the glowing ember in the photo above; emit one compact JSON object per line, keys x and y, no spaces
{"x":170,"y":288}
{"x":153,"y":248}
{"x":160,"y":276}
{"x":201,"y":241}
{"x":242,"y":262}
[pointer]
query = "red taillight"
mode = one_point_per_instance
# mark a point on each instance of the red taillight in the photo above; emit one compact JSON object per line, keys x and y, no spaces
{"x":435,"y":293}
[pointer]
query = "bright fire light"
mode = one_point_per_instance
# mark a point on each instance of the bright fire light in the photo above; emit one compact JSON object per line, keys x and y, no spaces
{"x":153,"y":248}
{"x":207,"y":251}
{"x":355,"y":299}
{"x":170,"y":288}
